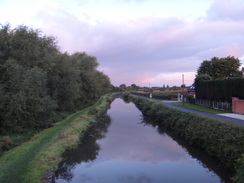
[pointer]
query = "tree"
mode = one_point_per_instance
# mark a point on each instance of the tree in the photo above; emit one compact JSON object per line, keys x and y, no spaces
{"x":38,"y":82}
{"x":220,"y":68}
{"x":134,"y":87}
{"x":26,"y":103}
{"x":122,"y":87}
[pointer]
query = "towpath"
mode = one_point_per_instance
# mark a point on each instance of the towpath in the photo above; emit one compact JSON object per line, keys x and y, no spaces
{"x":226,"y":117}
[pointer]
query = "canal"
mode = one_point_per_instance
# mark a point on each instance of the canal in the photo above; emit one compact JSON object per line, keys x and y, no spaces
{"x":124,"y":147}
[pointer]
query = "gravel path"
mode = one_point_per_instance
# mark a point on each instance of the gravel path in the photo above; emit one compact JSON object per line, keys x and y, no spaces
{"x":224,"y":118}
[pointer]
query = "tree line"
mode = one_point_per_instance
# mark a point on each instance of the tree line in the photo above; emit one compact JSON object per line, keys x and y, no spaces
{"x":39,"y":83}
{"x":221,"y":68}
{"x":220,"y":79}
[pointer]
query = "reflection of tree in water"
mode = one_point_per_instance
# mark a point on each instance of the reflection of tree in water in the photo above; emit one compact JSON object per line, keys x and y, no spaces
{"x":209,"y":162}
{"x":87,"y":150}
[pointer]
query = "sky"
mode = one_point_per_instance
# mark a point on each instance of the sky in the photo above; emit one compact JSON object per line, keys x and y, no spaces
{"x":142,"y":42}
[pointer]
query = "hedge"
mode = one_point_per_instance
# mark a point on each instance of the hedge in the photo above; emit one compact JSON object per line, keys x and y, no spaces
{"x":220,"y":90}
{"x":160,"y":96}
{"x":224,"y":141}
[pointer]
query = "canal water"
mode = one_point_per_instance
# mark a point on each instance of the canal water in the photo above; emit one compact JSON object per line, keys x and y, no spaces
{"x":123,"y":147}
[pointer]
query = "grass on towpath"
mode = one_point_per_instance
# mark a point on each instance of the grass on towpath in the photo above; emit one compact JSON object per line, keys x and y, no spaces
{"x":199,"y":108}
{"x":29,"y":162}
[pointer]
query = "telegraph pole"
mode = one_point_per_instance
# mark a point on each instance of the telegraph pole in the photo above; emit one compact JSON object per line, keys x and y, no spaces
{"x":183,"y":88}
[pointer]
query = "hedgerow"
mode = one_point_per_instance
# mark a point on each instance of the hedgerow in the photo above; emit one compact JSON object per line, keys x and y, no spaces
{"x":224,"y":141}
{"x":160,"y":96}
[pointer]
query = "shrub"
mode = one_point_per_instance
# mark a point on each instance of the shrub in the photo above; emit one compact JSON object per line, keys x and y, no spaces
{"x":222,"y":140}
{"x":5,"y":143}
{"x":126,"y":96}
{"x":239,"y":177}
{"x":158,"y":95}
{"x":190,"y":99}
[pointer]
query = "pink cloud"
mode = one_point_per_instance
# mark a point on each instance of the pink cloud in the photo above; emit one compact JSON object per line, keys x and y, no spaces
{"x":139,"y":51}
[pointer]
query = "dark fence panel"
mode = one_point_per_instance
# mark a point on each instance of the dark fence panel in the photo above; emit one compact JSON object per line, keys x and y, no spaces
{"x":220,"y":90}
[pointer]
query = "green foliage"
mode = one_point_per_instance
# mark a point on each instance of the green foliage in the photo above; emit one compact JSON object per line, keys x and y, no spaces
{"x":190,"y":99}
{"x":133,"y":87}
{"x":160,"y":96}
{"x":199,"y":108}
{"x":5,"y":143}
{"x":126,"y":96}
{"x":220,"y":68}
{"x":30,"y":161}
{"x":239,"y":177}
{"x":122,"y":87}
{"x":203,"y":77}
{"x":222,"y":140}
{"x":38,"y":82}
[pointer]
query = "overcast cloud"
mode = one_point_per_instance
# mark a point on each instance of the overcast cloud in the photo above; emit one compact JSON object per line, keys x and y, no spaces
{"x":139,"y":41}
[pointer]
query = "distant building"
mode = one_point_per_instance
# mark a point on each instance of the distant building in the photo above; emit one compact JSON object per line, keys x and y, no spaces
{"x":191,"y":90}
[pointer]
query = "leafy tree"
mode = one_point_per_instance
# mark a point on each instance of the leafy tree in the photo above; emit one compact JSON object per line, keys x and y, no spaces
{"x":122,"y":87}
{"x":220,"y":68}
{"x":38,"y":82}
{"x":134,"y":87}
{"x":25,"y":97}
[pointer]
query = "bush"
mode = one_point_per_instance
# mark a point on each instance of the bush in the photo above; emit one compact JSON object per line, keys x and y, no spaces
{"x":5,"y":143}
{"x":158,"y":95}
{"x":126,"y":96}
{"x":190,"y":99}
{"x":222,"y":140}
{"x":239,"y":177}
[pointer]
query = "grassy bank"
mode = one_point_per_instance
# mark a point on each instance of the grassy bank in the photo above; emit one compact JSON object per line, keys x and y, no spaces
{"x":199,"y":108}
{"x":29,"y":162}
{"x":222,"y":140}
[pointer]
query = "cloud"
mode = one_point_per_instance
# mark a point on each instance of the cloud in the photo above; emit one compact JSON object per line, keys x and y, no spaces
{"x":150,"y":49}
{"x":227,"y":10}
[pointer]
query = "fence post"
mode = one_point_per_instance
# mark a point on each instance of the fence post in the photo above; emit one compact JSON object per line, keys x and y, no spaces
{"x":234,"y":100}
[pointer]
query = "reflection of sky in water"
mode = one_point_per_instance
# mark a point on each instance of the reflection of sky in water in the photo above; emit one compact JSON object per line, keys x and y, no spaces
{"x":132,"y":152}
{"x":127,"y":171}
{"x":129,"y":140}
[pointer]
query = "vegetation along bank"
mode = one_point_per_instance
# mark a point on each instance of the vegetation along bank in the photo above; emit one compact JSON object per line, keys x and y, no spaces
{"x":35,"y":160}
{"x":39,"y":84}
{"x":222,"y":140}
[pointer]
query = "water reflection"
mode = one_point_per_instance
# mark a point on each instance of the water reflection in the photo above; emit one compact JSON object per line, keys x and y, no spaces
{"x":209,"y":162}
{"x":133,"y":151}
{"x":87,"y":150}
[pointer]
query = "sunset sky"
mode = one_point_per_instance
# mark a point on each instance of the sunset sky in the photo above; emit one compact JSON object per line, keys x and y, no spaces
{"x":138,"y":41}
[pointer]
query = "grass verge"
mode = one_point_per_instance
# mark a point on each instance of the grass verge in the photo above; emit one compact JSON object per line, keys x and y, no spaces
{"x":199,"y":108}
{"x":28,"y":163}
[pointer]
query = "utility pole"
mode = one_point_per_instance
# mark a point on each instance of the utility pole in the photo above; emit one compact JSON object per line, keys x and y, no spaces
{"x":183,"y":88}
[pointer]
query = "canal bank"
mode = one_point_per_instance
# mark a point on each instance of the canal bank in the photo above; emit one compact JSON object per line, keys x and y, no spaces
{"x":128,"y":148}
{"x":227,"y":117}
{"x":36,"y":160}
{"x":224,"y":141}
